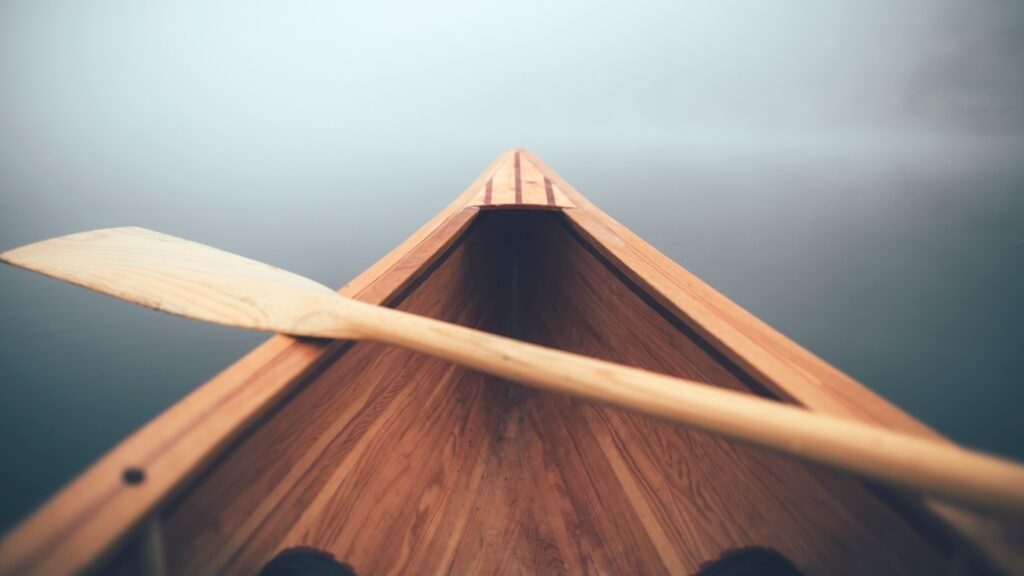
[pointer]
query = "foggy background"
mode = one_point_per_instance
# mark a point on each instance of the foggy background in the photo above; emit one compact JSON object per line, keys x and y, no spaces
{"x":851,"y":172}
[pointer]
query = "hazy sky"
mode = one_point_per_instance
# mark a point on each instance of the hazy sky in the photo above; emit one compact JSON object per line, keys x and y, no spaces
{"x":849,"y":171}
{"x":293,"y":83}
{"x":247,"y":102}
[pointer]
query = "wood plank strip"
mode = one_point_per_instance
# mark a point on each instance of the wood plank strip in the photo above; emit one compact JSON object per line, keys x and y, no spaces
{"x":561,"y":200}
{"x":505,"y":183}
{"x":532,"y":184}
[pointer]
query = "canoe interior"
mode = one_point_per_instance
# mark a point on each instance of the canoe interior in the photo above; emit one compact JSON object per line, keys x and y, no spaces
{"x":393,"y":462}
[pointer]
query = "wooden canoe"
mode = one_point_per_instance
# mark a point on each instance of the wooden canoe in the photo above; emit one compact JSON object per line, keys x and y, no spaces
{"x":393,"y":462}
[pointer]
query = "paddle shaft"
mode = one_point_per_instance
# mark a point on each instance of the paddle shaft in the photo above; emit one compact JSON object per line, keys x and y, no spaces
{"x":947,"y":471}
{"x":200,"y":282}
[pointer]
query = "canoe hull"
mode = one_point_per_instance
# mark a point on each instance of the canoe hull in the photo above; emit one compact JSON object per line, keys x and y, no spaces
{"x":394,"y":462}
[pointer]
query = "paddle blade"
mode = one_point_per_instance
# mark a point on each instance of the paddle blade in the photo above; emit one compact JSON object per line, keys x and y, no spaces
{"x":188,"y":279}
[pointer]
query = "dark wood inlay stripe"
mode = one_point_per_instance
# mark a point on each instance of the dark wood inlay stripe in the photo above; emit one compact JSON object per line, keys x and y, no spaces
{"x":549,"y":191}
{"x":519,"y":183}
{"x":487,"y":191}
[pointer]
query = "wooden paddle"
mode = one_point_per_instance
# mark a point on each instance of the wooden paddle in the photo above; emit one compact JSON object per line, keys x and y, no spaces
{"x":196,"y":281}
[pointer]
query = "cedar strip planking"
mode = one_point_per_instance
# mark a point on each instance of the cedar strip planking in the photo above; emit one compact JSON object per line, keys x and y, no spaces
{"x":531,"y":186}
{"x":449,"y":471}
{"x":366,"y":357}
{"x":519,"y":184}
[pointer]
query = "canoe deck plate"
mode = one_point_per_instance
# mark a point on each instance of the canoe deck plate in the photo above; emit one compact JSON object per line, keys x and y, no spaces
{"x":517,"y":183}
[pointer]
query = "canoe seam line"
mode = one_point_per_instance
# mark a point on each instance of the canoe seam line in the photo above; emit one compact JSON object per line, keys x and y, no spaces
{"x":734,"y":369}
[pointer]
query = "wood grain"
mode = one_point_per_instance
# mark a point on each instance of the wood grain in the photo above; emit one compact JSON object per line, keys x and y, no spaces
{"x":519,"y":183}
{"x":394,"y":462}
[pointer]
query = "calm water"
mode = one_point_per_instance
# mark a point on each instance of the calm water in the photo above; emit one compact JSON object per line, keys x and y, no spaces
{"x":889,"y":243}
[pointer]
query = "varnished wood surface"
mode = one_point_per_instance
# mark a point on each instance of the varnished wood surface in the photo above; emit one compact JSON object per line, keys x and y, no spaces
{"x":192,"y":280}
{"x":397,"y":463}
{"x":518,"y":183}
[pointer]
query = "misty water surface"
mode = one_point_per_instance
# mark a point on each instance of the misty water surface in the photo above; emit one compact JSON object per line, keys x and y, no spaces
{"x":852,"y":173}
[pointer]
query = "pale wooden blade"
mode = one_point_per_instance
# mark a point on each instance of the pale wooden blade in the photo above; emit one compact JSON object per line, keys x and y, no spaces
{"x":187,"y":279}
